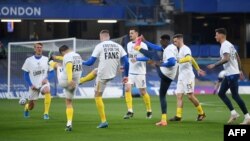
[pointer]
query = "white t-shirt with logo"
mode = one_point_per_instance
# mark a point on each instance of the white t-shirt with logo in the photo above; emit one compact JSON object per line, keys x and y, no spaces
{"x":37,"y":68}
{"x":138,"y":67}
{"x":76,"y":60}
{"x":109,"y":54}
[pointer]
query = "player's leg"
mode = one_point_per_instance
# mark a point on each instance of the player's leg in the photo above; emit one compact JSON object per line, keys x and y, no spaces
{"x":90,"y":76}
{"x":165,"y":83}
{"x":69,"y":111}
{"x":179,"y":101}
{"x":33,"y":96}
{"x":190,"y":83}
{"x":140,"y":82}
{"x":222,"y":94}
{"x":99,"y":88}
{"x":147,"y":101}
{"x":128,"y":98}
{"x":28,"y":107}
{"x":234,"y":86}
{"x":216,"y":86}
{"x":45,"y":90}
{"x":69,"y":95}
{"x":195,"y":101}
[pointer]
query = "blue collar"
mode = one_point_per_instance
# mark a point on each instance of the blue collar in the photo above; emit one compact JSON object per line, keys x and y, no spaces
{"x":38,"y":56}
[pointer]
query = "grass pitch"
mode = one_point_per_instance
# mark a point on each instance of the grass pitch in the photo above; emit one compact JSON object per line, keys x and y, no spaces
{"x":13,"y":127}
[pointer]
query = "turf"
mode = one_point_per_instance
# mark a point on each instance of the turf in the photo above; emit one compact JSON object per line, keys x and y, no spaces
{"x":13,"y":127}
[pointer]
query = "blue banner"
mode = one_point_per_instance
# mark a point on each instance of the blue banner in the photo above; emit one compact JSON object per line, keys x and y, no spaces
{"x":61,"y":11}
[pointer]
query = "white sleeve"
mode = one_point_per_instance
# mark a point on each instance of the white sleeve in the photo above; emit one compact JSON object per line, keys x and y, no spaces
{"x":123,"y":52}
{"x":96,"y":52}
{"x":25,"y":66}
{"x":225,"y":49}
{"x":67,"y":59}
{"x":144,"y":46}
{"x":170,"y":53}
{"x":187,"y":51}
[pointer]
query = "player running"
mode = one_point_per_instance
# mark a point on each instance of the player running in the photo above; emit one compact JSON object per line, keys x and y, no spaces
{"x":232,"y":65}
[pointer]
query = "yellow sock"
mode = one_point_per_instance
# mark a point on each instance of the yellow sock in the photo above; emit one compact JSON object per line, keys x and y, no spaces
{"x":164,"y":117}
{"x":26,"y":107}
{"x":100,"y":108}
{"x":47,"y":101}
{"x":179,"y":112}
{"x":69,"y":113}
{"x":129,"y":100}
{"x":90,"y":76}
{"x":200,"y":110}
{"x":147,"y":102}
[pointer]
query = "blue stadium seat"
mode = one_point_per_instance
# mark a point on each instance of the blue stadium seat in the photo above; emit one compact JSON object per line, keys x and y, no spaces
{"x":204,"y":51}
{"x":195,"y":49}
{"x":214,"y":50}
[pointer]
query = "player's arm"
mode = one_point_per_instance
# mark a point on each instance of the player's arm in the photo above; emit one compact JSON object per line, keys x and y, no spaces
{"x":197,"y":68}
{"x":195,"y":65}
{"x":170,"y":62}
{"x":69,"y":71}
{"x":143,"y":59}
{"x":58,"y":57}
{"x":90,"y":61}
{"x":225,"y":59}
{"x":185,"y":59}
{"x":150,"y":54}
{"x":27,"y":78}
{"x":239,"y":65}
{"x":153,"y":46}
{"x":125,"y":62}
{"x":238,"y":60}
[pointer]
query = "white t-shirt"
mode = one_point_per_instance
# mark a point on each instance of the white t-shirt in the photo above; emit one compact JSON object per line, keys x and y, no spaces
{"x":37,"y":68}
{"x":76,"y":60}
{"x":169,"y":52}
{"x":138,"y":67}
{"x":231,"y":67}
{"x":109,"y":54}
{"x":185,"y":69}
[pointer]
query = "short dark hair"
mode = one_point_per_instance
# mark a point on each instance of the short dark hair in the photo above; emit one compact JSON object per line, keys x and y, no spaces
{"x":41,"y":44}
{"x":135,"y":29}
{"x":178,"y":36}
{"x":221,"y":31}
{"x":165,"y":37}
{"x":104,"y":31}
{"x":63,"y":48}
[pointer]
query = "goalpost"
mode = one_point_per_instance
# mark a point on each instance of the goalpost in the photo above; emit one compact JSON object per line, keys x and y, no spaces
{"x":19,"y":51}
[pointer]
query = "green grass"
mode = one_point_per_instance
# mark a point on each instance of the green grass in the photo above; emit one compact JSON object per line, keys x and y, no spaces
{"x":13,"y":127}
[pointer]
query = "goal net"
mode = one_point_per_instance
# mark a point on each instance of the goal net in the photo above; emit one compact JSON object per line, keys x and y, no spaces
{"x":19,"y":51}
